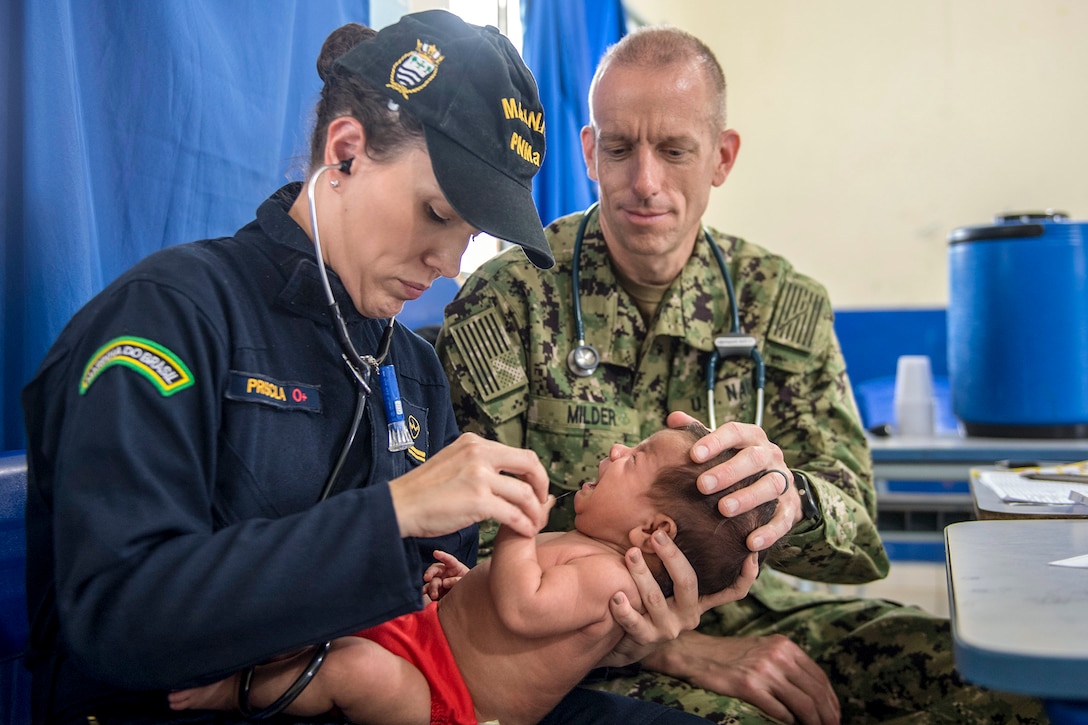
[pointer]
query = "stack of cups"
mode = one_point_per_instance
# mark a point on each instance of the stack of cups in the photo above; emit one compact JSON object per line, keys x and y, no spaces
{"x":915,"y":407}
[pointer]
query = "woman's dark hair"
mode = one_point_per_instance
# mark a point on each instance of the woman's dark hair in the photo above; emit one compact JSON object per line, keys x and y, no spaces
{"x":388,"y":130}
{"x":714,"y":545}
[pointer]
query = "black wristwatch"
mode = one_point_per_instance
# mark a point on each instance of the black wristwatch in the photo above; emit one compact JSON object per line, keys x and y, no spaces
{"x":810,"y":507}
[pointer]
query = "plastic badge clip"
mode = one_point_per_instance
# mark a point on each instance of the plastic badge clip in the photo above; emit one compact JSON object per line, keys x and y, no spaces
{"x":399,"y":437}
{"x":733,"y":343}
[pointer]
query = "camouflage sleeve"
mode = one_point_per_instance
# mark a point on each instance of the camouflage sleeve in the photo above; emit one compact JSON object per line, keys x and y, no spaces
{"x":810,"y":413}
{"x":481,"y":351}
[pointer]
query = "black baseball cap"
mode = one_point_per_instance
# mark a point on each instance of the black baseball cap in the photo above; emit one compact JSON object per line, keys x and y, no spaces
{"x":480,"y":112}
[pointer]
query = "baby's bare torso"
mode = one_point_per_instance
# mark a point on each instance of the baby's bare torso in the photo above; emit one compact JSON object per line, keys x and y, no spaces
{"x":515,"y":679}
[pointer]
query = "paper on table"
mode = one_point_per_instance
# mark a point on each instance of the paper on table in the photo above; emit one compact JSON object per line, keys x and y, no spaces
{"x":1012,"y":487}
{"x":1077,"y":562}
{"x":1073,"y":492}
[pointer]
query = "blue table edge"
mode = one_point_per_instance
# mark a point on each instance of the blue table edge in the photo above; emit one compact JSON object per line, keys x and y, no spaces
{"x":1006,"y":672}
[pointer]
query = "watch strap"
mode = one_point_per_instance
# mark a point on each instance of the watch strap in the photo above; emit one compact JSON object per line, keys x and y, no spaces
{"x":810,"y":507}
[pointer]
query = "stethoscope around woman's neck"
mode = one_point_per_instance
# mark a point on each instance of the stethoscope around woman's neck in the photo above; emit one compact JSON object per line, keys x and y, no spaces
{"x":583,"y":358}
{"x":362,"y":368}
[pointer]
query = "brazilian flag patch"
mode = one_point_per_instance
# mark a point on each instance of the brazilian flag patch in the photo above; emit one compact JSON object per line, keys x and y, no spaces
{"x":156,"y":363}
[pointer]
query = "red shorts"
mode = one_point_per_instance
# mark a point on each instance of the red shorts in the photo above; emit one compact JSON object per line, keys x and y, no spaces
{"x":418,"y":638}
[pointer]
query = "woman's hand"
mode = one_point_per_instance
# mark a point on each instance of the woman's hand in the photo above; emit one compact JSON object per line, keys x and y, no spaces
{"x":471,"y":480}
{"x":772,"y":673}
{"x":442,"y":575}
{"x":665,"y":619}
{"x":755,"y":454}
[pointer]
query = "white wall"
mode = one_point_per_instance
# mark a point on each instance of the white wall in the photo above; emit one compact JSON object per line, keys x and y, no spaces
{"x":872,"y":128}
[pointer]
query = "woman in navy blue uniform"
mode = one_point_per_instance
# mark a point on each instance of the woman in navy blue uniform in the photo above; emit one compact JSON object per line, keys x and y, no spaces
{"x":211,"y":486}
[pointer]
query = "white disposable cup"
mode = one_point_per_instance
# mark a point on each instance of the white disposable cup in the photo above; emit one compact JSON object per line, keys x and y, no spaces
{"x":915,"y":407}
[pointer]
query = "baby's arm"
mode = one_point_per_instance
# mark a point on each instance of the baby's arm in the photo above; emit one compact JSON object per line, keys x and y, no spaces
{"x":537,"y":602}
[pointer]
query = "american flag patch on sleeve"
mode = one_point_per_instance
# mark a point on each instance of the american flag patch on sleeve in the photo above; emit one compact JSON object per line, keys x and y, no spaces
{"x":797,"y":316}
{"x":489,"y":354}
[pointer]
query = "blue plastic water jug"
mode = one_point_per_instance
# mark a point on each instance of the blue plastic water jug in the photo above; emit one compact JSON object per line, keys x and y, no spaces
{"x":1018,"y":327}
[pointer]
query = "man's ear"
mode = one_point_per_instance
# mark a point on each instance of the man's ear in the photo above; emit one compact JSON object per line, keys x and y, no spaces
{"x":728,"y":148}
{"x":346,"y":139}
{"x":589,"y":151}
{"x":640,"y":535}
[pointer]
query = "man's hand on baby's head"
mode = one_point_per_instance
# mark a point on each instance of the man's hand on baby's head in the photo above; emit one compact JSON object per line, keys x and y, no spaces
{"x":756,"y":455}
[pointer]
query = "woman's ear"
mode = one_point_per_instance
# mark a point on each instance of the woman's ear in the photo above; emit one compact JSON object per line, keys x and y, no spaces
{"x":640,"y":535}
{"x":346,"y":139}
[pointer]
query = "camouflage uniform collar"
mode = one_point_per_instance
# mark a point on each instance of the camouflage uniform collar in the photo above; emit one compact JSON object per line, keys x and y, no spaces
{"x":612,"y":321}
{"x":690,"y":309}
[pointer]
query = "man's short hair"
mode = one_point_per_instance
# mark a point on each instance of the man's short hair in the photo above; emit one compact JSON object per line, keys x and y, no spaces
{"x":662,"y":45}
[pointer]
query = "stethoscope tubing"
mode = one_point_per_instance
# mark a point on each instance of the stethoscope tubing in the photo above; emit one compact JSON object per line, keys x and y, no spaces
{"x":361,"y":368}
{"x":583,"y":358}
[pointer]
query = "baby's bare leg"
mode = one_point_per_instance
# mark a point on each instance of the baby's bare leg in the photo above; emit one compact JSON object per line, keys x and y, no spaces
{"x":360,"y":678}
{"x":372,"y":686}
{"x":223,"y":695}
{"x":220,"y":695}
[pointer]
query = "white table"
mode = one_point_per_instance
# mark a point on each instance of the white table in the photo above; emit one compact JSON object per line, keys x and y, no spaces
{"x":929,"y":483}
{"x":951,"y":457}
{"x":1018,"y":623}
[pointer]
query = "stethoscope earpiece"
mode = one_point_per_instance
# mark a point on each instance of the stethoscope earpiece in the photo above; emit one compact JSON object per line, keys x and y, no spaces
{"x":583,"y":360}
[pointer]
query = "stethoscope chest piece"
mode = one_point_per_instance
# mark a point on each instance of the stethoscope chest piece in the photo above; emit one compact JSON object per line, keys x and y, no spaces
{"x":583,"y":360}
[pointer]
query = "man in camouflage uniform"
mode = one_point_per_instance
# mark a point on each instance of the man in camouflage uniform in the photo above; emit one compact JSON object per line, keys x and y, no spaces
{"x":653,"y":299}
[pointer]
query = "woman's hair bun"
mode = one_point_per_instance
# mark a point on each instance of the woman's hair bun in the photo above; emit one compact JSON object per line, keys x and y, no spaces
{"x":340,"y":41}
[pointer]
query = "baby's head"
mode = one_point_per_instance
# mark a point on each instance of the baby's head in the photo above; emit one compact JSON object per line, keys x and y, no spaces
{"x":651,"y":487}
{"x":715,"y":546}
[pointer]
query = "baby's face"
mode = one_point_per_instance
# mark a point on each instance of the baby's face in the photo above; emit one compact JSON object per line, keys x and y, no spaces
{"x":617,"y":501}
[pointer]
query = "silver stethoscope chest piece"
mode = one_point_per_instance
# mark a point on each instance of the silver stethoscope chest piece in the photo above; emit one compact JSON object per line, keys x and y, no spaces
{"x":583,"y":360}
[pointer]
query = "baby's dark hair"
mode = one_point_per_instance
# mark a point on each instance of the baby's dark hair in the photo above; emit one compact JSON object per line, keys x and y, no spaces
{"x":715,"y":546}
{"x":388,"y":129}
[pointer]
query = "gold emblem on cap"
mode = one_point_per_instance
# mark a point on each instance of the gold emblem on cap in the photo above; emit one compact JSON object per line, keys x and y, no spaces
{"x":415,"y":69}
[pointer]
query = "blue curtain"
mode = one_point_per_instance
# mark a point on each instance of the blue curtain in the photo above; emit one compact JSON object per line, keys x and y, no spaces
{"x":130,"y":126}
{"x":564,"y":39}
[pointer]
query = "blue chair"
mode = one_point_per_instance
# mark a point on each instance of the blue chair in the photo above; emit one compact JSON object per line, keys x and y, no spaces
{"x":14,"y":677}
{"x":876,"y":403}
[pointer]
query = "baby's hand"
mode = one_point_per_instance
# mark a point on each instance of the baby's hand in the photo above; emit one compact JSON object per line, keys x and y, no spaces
{"x":442,"y":575}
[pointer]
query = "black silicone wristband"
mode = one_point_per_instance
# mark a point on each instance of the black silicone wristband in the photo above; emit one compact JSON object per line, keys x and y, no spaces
{"x":810,"y":507}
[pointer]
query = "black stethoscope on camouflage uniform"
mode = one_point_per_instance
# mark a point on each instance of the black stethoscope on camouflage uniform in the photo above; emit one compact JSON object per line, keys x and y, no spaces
{"x":584,"y":358}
